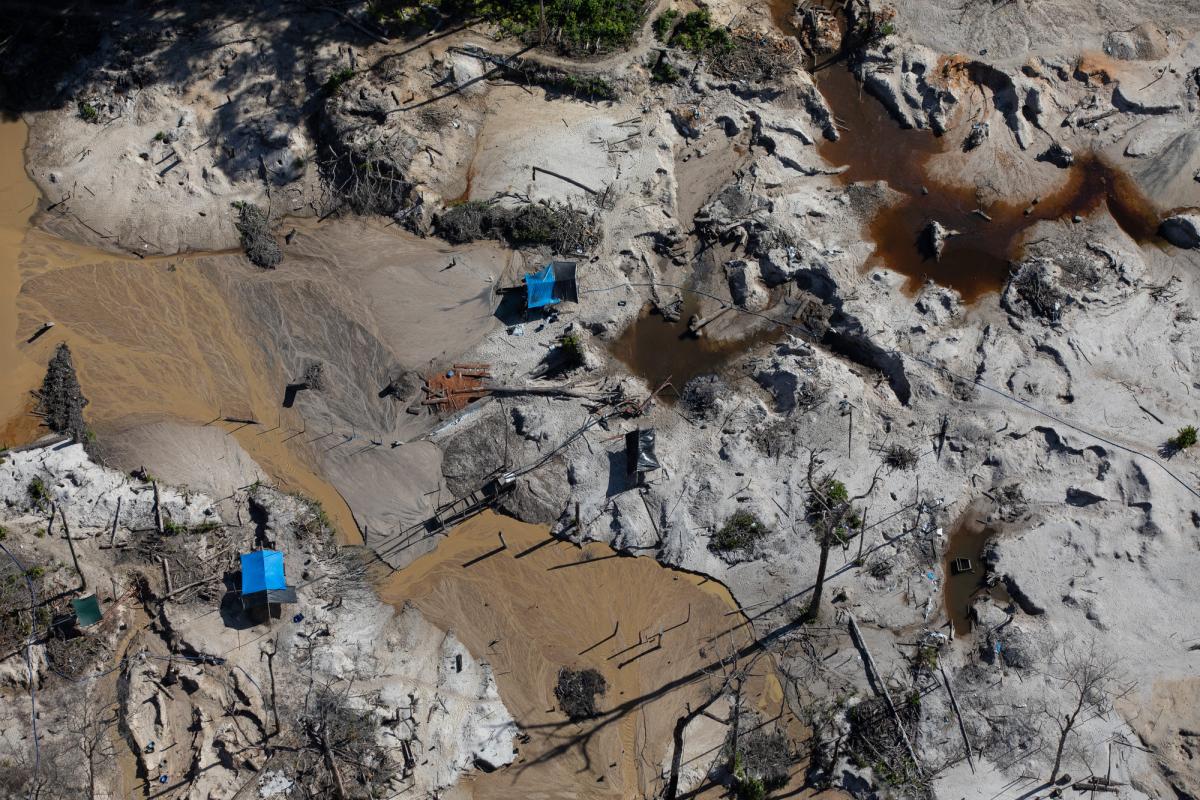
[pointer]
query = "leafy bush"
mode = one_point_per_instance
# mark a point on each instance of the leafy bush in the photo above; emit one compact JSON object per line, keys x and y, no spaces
{"x":39,"y":495}
{"x":831,"y":500}
{"x":664,"y":24}
{"x":573,"y":26}
{"x":572,"y":349}
{"x":696,"y":34}
{"x":739,"y":532}
{"x":88,"y":112}
{"x":1185,"y":438}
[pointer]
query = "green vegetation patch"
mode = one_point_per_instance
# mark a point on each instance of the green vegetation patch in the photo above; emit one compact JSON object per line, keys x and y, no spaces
{"x":1185,"y":438}
{"x":571,"y":26}
{"x":334,"y":83}
{"x":739,"y":532}
{"x":39,"y":494}
{"x":693,"y":32}
{"x":664,"y":71}
{"x":572,"y":349}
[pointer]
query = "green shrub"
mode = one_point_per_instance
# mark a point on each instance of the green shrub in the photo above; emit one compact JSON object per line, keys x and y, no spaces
{"x":173,"y":528}
{"x":739,"y":532}
{"x":3,"y":533}
{"x":571,"y":346}
{"x":88,"y":112}
{"x":573,"y":26}
{"x":33,"y":573}
{"x":696,"y":34}
{"x":664,"y":72}
{"x":664,"y":24}
{"x":1185,"y":438}
{"x":337,"y":80}
{"x":160,"y":137}
{"x":830,"y":497}
{"x":39,"y":495}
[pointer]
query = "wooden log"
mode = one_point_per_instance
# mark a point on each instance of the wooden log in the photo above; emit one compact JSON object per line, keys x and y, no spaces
{"x":116,"y":518}
{"x":158,"y":520}
{"x":856,"y":634}
{"x":962,"y":729}
{"x":71,"y":545}
{"x":166,"y":568}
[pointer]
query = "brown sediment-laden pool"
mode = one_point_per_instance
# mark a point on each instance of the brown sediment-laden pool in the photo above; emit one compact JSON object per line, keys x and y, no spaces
{"x":529,"y":604}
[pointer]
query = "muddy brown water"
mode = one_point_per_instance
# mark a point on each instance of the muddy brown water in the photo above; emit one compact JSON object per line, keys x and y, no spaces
{"x":542,"y":604}
{"x":150,"y":336}
{"x":18,"y":202}
{"x":874,"y":147}
{"x":969,"y":539}
{"x":659,"y":350}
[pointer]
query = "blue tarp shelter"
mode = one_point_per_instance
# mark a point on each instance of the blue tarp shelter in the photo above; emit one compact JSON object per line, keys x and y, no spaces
{"x":553,"y":284}
{"x":263,"y":580}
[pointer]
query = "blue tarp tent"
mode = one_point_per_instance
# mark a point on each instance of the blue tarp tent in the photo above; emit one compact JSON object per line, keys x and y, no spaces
{"x":262,"y":579}
{"x":553,"y":284}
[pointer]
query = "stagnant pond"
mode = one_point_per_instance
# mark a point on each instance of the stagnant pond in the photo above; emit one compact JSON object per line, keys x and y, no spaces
{"x":968,"y":545}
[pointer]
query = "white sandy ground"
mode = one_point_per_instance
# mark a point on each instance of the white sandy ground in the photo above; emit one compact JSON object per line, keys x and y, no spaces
{"x":400,"y":666}
{"x":1106,"y":542}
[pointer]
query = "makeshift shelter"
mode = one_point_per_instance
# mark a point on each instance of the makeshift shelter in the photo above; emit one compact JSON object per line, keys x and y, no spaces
{"x":639,"y":452}
{"x":553,"y":284}
{"x":263,"y":582}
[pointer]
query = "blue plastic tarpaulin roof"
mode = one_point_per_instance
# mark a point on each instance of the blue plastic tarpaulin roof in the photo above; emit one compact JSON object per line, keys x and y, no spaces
{"x":262,"y":570}
{"x":539,"y":288}
{"x":553,"y":284}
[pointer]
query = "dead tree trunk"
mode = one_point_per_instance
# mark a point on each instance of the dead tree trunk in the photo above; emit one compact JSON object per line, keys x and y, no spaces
{"x":71,"y":545}
{"x":814,"y":605}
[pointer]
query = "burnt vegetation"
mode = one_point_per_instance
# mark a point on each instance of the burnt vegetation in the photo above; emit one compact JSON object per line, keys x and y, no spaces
{"x":254,"y":226}
{"x":577,"y":690}
{"x":60,"y":400}
{"x":561,"y":228}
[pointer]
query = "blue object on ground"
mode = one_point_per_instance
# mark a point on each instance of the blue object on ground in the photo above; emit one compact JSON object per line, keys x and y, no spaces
{"x":262,"y":570}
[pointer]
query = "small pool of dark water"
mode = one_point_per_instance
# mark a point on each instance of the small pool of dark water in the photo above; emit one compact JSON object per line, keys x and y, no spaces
{"x":968,"y":540}
{"x":658,"y":350}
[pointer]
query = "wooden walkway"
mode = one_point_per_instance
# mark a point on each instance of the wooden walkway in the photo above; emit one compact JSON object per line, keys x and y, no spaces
{"x":392,"y":547}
